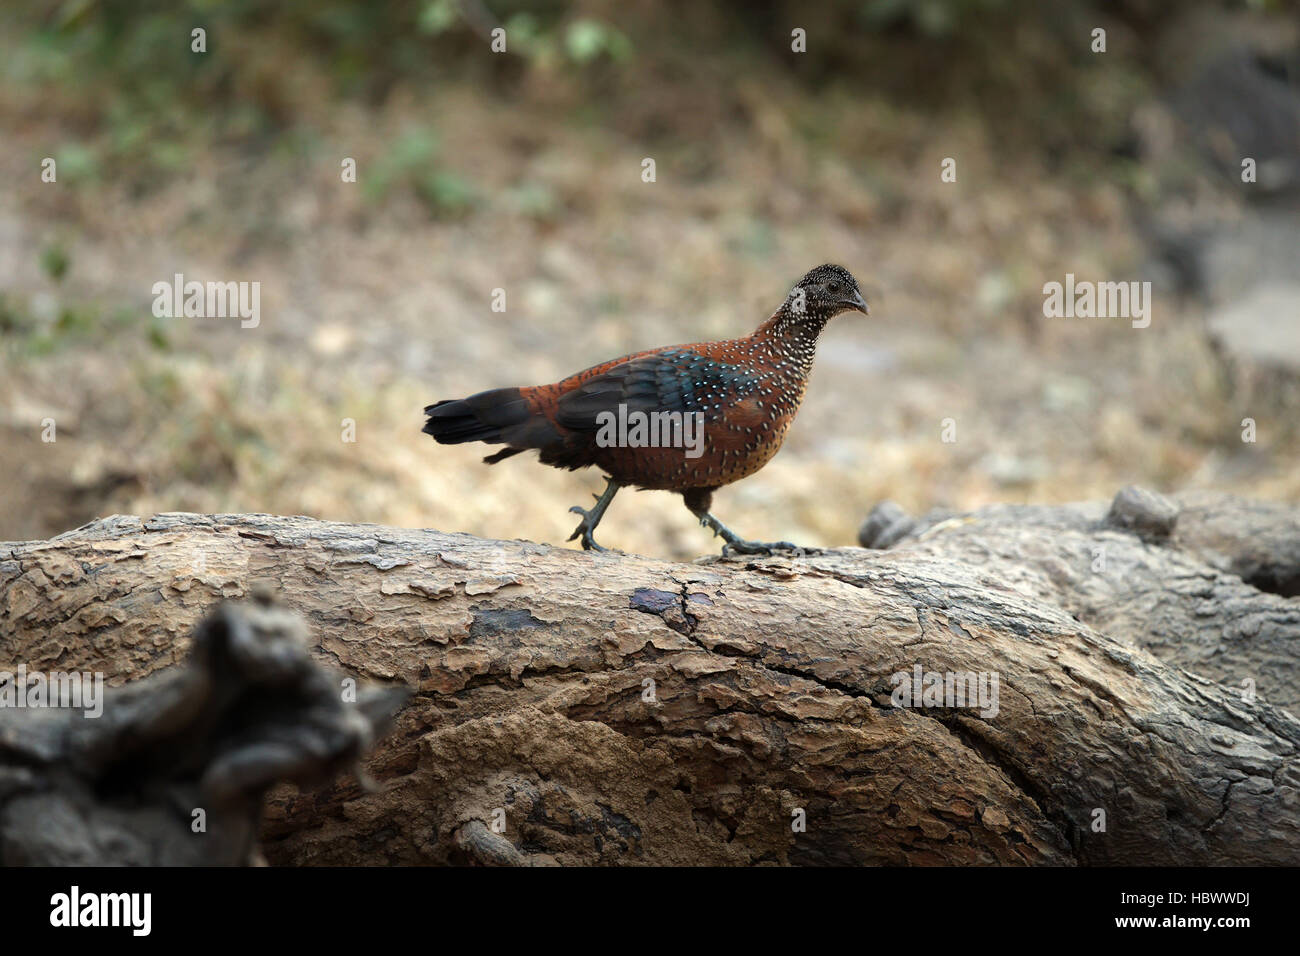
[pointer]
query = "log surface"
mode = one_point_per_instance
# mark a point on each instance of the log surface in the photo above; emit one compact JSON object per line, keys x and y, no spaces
{"x":579,"y":708}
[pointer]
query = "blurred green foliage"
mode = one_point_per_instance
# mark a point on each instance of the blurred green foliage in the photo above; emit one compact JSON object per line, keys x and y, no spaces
{"x":411,"y":161}
{"x":934,"y":18}
{"x":28,"y":331}
{"x":152,"y":100}
{"x":148,"y":101}
{"x":55,"y":261}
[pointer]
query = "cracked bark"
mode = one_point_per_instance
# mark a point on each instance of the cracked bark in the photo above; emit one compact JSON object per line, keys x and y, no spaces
{"x":608,"y":708}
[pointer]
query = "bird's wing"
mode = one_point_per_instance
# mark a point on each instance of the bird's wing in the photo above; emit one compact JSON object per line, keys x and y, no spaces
{"x":672,"y":380}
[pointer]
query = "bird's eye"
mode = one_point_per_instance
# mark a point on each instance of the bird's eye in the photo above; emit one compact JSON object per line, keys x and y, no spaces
{"x":832,"y":287}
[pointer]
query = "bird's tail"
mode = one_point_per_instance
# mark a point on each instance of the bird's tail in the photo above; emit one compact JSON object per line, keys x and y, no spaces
{"x":501,"y":415}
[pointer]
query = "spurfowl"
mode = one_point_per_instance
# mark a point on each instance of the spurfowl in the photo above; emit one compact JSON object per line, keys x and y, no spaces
{"x":687,"y":418}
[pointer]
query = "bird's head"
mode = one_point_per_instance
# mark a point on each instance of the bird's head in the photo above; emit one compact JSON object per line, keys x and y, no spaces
{"x":825,"y":292}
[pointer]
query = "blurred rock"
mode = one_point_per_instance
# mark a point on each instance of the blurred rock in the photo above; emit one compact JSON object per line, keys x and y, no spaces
{"x":885,"y":526}
{"x":1149,"y":515}
{"x":1264,"y":327}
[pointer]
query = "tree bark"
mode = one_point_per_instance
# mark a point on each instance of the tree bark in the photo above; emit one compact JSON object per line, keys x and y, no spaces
{"x":579,"y":708}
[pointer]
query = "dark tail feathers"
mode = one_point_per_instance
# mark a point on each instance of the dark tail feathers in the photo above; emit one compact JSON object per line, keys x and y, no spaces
{"x":501,"y":415}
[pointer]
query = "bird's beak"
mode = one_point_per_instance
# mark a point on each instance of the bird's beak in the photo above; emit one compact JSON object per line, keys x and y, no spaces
{"x":858,"y":303}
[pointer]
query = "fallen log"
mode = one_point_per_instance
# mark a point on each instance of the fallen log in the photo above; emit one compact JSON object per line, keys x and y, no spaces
{"x":578,"y":708}
{"x":1205,"y":581}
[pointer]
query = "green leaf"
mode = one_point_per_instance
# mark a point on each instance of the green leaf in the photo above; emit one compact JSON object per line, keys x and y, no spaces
{"x":438,"y":16}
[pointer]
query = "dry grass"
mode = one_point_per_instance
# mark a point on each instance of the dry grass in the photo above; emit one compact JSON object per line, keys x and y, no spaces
{"x":372,"y":307}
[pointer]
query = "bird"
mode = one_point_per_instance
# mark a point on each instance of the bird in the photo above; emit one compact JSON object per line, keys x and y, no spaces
{"x":740,"y":394}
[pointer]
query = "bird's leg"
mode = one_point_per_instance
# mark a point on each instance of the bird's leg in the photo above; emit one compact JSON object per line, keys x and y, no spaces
{"x":698,"y":501}
{"x":587,"y":527}
{"x":739,"y":545}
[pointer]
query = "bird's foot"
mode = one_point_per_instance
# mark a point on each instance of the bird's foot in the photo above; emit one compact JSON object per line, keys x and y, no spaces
{"x":585,"y":528}
{"x":735,"y":544}
{"x":741,"y":546}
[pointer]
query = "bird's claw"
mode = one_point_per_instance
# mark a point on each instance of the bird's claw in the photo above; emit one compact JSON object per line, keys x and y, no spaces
{"x":583,"y":530}
{"x":769,"y":548}
{"x":735,"y":544}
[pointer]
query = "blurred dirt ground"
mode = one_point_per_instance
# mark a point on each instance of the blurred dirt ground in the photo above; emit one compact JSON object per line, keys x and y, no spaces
{"x":373,"y":306}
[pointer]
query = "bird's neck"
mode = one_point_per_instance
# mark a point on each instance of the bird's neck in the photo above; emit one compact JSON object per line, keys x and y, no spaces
{"x":792,"y":336}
